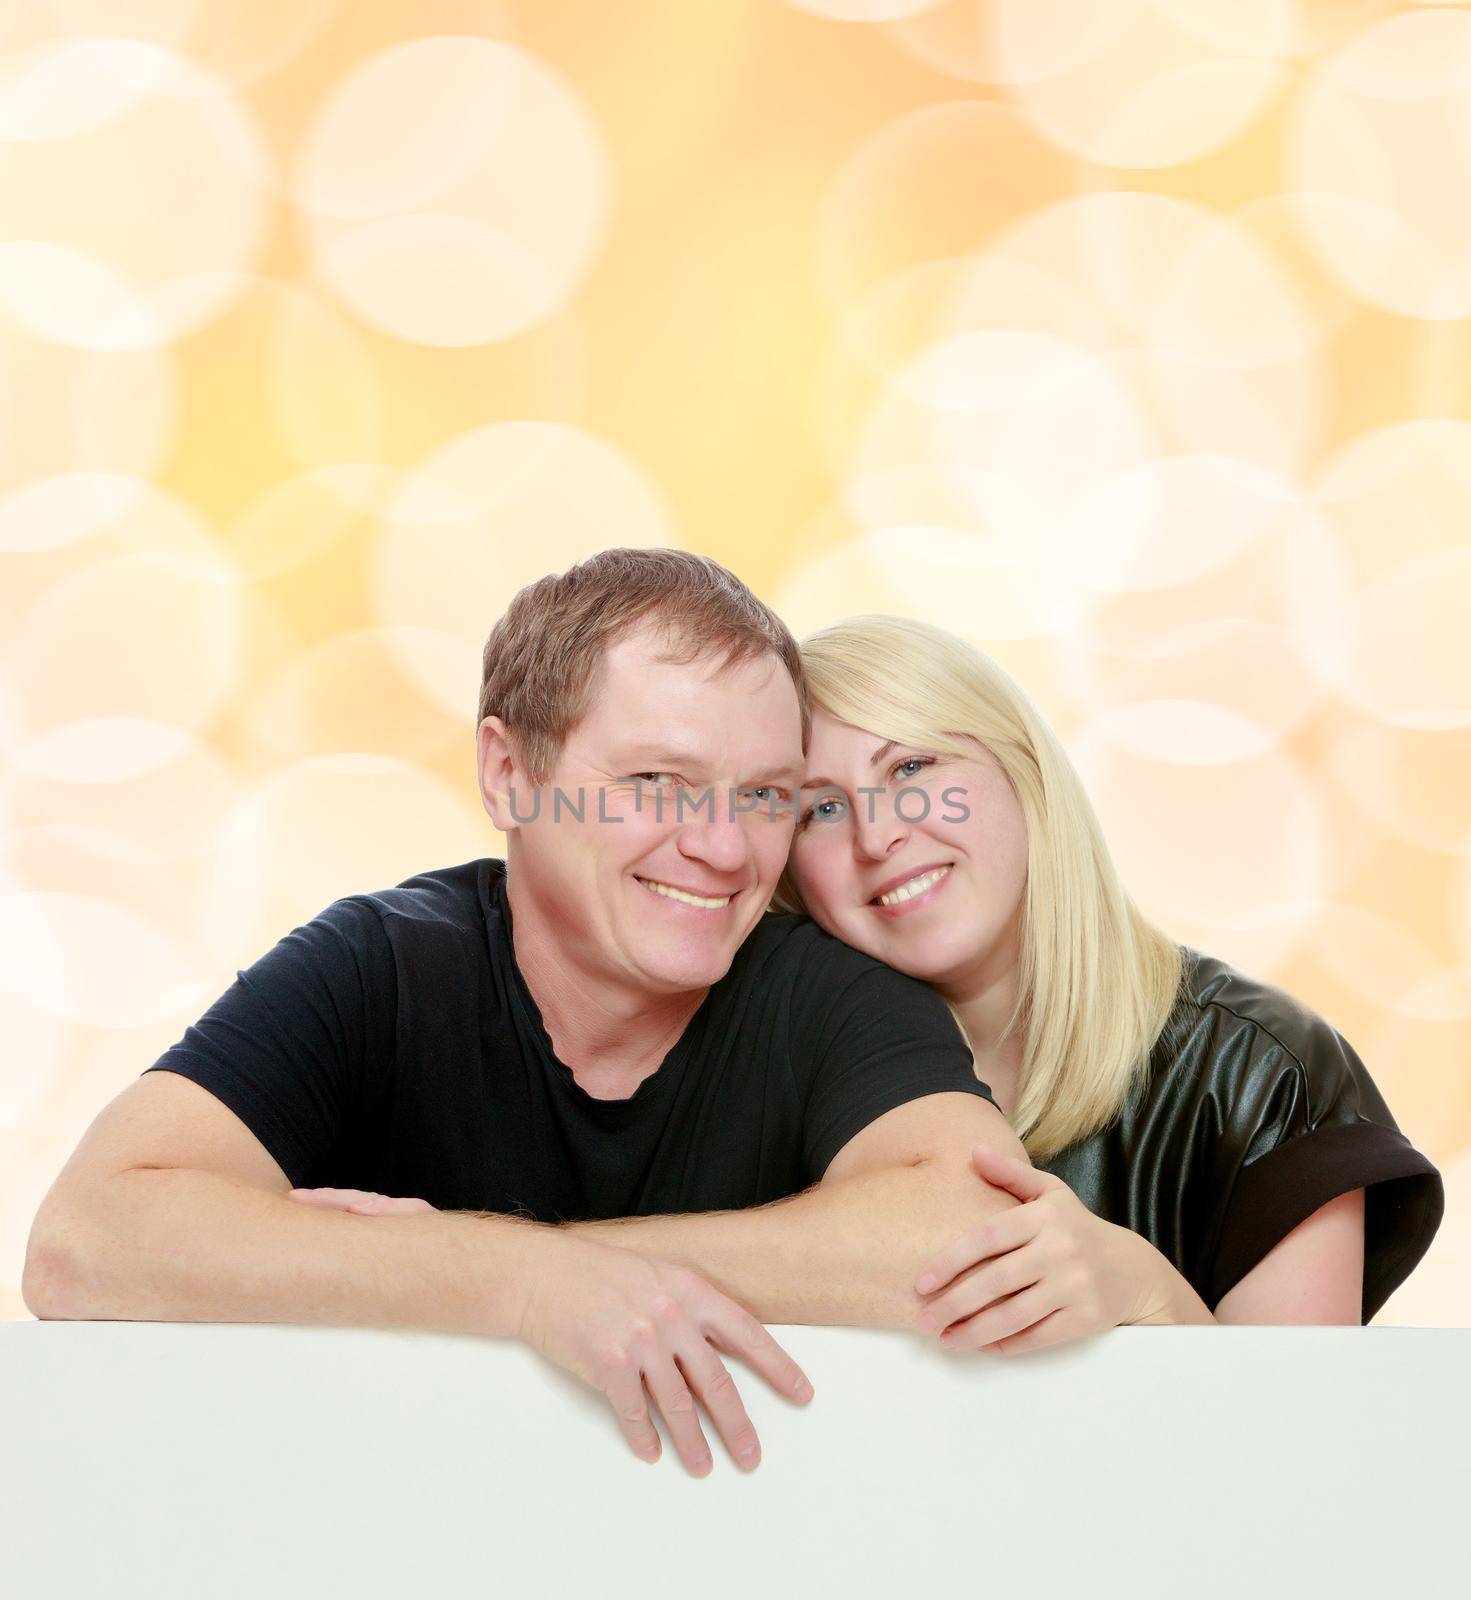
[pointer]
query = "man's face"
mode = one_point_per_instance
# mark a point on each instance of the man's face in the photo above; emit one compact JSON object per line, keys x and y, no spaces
{"x":686,"y":781}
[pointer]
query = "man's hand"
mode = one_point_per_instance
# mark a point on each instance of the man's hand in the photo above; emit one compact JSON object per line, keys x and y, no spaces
{"x":633,"y":1326}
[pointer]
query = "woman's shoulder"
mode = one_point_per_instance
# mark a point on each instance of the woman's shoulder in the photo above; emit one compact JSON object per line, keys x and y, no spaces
{"x":1259,"y":1042}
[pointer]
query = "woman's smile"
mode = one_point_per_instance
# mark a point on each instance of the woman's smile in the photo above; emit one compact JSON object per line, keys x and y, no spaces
{"x":918,"y":889}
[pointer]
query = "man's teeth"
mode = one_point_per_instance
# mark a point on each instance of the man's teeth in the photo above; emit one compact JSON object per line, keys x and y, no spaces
{"x":689,"y":899}
{"x":907,"y":891}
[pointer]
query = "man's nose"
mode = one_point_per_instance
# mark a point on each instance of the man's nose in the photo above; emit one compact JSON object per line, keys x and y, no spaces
{"x":718,"y":835}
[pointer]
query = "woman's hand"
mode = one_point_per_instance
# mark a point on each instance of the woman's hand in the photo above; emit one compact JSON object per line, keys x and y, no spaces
{"x":1039,"y":1274}
{"x":360,"y":1201}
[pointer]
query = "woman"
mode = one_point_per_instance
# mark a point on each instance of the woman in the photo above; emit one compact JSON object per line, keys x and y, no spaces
{"x":1204,"y":1147}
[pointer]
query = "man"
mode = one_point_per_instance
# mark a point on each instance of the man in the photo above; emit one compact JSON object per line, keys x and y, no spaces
{"x":649,"y":1113}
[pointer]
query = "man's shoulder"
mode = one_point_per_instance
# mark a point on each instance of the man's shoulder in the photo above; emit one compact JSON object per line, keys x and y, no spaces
{"x":446,"y":895}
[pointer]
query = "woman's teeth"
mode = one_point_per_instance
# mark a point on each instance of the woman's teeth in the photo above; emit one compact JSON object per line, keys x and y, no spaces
{"x":689,"y":899}
{"x":907,"y":891}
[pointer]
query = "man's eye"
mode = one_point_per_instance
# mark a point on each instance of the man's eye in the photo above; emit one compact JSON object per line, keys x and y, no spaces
{"x":651,"y":777}
{"x":760,"y":790}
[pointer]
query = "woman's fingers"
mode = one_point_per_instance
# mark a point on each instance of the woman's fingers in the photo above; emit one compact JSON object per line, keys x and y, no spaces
{"x":1002,"y":1320}
{"x":1057,"y":1327}
{"x":994,"y":1236}
{"x":1019,"y":1178}
{"x":362,"y":1202}
{"x":974,"y":1291}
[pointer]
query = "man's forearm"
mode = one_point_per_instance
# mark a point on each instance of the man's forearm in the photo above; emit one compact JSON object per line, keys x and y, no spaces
{"x":844,"y":1253}
{"x":172,"y":1245}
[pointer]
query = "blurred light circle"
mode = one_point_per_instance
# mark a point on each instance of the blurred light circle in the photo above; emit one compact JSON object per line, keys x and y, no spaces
{"x":1412,"y":646}
{"x":35,"y":1044}
{"x":863,"y":10}
{"x":351,"y":693}
{"x":319,"y":377}
{"x":1399,"y":492}
{"x":1126,"y":255}
{"x":302,"y":517}
{"x":67,"y":409}
{"x":1415,"y":784}
{"x":163,"y":140}
{"x":1195,"y":733}
{"x":150,"y":792}
{"x":1382,"y":150}
{"x":1033,"y":41}
{"x":1208,"y":848}
{"x":933,"y":184}
{"x":1034,"y":424}
{"x":1255,"y":622}
{"x":52,"y":512}
{"x":145,"y":618}
{"x":1172,"y":520}
{"x":991,"y":41}
{"x":1384,"y":963}
{"x":101,"y":750}
{"x":87,"y":961}
{"x":969,"y":582}
{"x":491,"y":512}
{"x":455,"y":191}
{"x":325,"y":827}
{"x":1153,"y":95}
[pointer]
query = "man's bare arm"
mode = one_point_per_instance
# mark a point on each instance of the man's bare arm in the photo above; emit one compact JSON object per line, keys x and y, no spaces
{"x":846,"y":1251}
{"x":177,"y":1245}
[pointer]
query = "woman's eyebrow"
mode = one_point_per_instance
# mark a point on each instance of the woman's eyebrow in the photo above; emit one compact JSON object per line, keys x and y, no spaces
{"x":873,"y":761}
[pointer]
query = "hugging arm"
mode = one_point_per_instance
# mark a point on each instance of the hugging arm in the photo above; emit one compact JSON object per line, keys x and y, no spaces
{"x":847,"y":1250}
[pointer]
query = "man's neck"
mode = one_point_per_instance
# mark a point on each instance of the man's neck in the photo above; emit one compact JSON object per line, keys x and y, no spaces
{"x":611,"y":1037}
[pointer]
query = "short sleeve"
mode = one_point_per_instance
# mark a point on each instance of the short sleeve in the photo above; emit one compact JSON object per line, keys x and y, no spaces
{"x":1312,"y":1126}
{"x":286,"y":1046}
{"x":875,"y":1041}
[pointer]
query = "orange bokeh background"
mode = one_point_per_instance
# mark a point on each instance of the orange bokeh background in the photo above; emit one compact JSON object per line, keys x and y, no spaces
{"x":1129,"y":338}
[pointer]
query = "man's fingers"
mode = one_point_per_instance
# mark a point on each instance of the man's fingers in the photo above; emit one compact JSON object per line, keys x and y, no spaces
{"x":677,"y":1407}
{"x":630,"y":1405}
{"x":993,"y":1237}
{"x":736,"y":1332}
{"x":709,"y":1378}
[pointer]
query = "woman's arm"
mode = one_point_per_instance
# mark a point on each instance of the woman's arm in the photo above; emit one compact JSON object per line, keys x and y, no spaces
{"x":1315,"y":1274}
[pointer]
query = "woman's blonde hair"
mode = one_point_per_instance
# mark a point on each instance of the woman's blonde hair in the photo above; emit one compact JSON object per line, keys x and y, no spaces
{"x":1097,"y":980}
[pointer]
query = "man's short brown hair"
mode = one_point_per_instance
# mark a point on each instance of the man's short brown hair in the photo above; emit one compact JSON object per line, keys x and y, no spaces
{"x":544,"y":659}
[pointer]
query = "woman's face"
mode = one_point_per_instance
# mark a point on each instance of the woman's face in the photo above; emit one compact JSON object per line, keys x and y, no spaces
{"x":947,"y":834}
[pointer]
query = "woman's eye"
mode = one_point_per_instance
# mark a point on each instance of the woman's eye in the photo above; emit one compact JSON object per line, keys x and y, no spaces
{"x":919,"y":762}
{"x":816,"y":810}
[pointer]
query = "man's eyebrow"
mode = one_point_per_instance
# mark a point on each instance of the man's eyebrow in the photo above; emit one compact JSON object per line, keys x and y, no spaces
{"x":656,"y":758}
{"x":873,"y":761}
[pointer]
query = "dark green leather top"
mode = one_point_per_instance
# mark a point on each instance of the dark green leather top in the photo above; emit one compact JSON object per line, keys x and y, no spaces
{"x":1254,"y":1112}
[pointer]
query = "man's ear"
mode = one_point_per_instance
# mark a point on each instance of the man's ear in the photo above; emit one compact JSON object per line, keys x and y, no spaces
{"x":500,"y":776}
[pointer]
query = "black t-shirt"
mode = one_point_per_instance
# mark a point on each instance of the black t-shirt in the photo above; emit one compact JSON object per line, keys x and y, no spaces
{"x":1253,"y":1113}
{"x":391,"y":1044}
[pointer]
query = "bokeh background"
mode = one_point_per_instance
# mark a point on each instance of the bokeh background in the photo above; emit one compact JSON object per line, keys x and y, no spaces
{"x":1128,"y":338}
